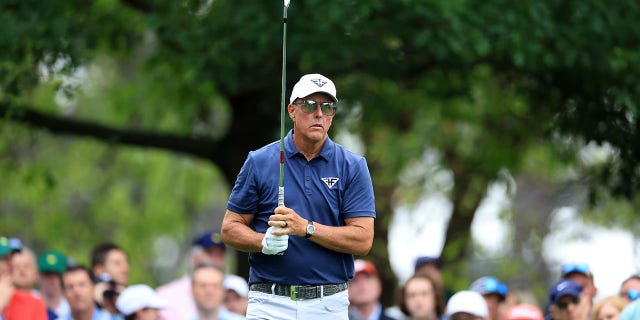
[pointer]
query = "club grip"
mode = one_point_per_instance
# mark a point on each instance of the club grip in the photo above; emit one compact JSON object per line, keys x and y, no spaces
{"x":280,"y":196}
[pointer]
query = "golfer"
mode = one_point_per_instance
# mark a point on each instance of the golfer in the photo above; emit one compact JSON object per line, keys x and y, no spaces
{"x":301,"y":254}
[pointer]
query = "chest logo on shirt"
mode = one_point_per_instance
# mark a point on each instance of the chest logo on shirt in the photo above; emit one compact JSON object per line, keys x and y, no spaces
{"x":330,"y":181}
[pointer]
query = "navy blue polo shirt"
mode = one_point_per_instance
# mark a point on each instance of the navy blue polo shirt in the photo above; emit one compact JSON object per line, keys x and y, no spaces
{"x":333,"y":186}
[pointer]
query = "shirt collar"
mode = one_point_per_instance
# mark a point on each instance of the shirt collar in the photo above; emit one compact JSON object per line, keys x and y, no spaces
{"x":326,"y":152}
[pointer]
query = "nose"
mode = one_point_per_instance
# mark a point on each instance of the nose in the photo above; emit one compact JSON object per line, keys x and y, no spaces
{"x":318,"y":112}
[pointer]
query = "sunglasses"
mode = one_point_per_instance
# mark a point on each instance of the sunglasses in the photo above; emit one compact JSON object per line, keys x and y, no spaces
{"x":633,"y":294}
{"x":491,"y":285}
{"x":575,"y":267}
{"x":310,"y":106}
{"x":563,"y":304}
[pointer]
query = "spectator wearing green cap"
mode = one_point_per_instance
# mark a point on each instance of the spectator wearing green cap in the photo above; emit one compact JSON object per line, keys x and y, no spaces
{"x":51,"y":265}
{"x":14,"y":304}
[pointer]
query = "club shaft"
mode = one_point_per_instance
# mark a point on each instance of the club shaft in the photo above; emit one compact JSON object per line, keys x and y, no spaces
{"x":283,"y":104}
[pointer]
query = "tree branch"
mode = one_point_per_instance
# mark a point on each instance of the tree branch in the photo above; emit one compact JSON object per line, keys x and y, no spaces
{"x":199,"y":147}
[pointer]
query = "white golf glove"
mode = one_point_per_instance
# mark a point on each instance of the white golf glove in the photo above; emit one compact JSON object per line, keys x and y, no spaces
{"x":272,"y":244}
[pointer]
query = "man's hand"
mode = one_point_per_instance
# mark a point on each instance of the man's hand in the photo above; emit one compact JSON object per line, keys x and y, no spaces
{"x":272,"y":244}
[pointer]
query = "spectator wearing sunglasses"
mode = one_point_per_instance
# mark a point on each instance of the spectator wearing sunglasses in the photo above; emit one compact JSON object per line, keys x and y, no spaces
{"x":493,"y":291}
{"x":565,"y":299}
{"x":608,"y":308}
{"x":581,"y":273}
{"x":630,"y":288}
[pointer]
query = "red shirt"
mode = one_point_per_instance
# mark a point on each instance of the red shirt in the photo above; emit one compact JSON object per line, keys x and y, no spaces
{"x":24,"y":306}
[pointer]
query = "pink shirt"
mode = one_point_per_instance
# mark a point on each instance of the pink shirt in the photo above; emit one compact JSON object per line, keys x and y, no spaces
{"x":180,"y":305}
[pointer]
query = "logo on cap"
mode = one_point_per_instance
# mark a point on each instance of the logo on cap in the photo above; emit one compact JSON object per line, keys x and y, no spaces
{"x":216,"y":237}
{"x":52,"y":259}
{"x":319,"y":82}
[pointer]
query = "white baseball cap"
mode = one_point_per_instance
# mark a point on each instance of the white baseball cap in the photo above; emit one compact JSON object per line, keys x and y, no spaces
{"x":137,"y":297}
{"x":469,"y":302}
{"x":237,"y":284}
{"x":312,"y":83}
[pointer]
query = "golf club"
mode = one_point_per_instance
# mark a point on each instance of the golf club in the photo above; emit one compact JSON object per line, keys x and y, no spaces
{"x":283,"y":102}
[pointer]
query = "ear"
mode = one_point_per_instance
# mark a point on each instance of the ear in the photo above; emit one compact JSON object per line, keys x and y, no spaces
{"x":291,"y":109}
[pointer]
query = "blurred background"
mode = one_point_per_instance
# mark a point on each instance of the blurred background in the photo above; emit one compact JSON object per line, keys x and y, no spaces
{"x":500,"y":135}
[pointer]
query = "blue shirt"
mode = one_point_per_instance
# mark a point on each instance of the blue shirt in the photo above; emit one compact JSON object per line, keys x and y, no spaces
{"x":98,"y":314}
{"x":333,"y":186}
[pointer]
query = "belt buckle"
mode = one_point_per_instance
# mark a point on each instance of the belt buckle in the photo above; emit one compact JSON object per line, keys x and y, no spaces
{"x":293,"y":293}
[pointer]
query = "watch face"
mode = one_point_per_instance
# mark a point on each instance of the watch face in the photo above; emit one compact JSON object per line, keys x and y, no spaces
{"x":310,"y":228}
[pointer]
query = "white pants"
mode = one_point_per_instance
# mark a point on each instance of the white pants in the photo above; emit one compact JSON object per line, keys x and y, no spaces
{"x":270,"y":306}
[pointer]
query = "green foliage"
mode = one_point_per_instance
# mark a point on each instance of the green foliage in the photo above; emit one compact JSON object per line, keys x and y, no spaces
{"x":460,"y":89}
{"x":97,"y":193}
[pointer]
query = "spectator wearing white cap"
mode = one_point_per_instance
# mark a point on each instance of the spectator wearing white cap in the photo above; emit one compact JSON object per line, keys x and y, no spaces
{"x":140,"y":302}
{"x":467,"y":305}
{"x":236,"y":297}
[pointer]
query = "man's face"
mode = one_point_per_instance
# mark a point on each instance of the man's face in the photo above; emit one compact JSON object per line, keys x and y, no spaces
{"x":493,"y":304}
{"x":207,"y":289}
{"x":117,"y":266}
{"x":50,"y":283}
{"x":631,"y":284}
{"x":567,"y":308}
{"x":420,"y":297}
{"x":311,"y":127}
{"x":78,"y":289}
{"x":589,"y":289}
{"x":23,"y":270}
{"x":148,"y":314}
{"x":364,"y":288}
{"x":234,"y":302}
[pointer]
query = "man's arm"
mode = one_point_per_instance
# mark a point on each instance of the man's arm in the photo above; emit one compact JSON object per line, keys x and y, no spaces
{"x":355,"y":237}
{"x":237,"y":233}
